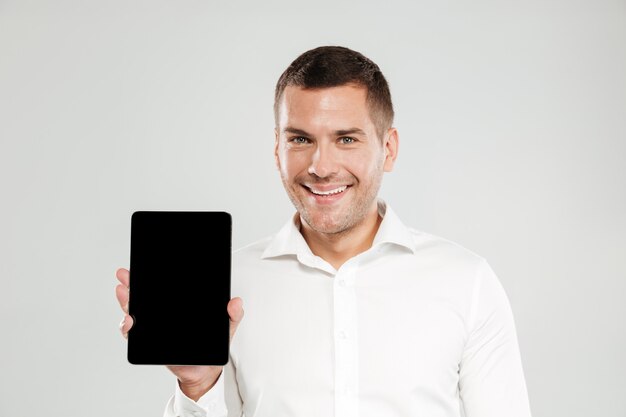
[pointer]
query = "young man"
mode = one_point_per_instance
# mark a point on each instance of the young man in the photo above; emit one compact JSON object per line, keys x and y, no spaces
{"x":349,"y":312}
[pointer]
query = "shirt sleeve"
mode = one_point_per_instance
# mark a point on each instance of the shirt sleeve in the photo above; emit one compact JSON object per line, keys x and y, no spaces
{"x":491,"y":378}
{"x":211,"y":404}
{"x":234,"y":402}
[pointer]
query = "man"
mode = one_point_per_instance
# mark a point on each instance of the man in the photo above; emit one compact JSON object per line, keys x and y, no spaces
{"x":349,"y":312}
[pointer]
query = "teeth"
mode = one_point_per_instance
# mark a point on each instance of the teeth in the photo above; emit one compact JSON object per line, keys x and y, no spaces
{"x":330,"y":192}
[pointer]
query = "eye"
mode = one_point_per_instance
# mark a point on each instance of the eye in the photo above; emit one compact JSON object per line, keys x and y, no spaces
{"x":299,"y":140}
{"x":347,"y":140}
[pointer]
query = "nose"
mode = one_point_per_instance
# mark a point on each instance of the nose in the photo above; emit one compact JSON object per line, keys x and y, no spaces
{"x":324,"y":161}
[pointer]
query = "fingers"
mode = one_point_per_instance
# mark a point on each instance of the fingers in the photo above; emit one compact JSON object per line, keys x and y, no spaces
{"x":125,"y":325}
{"x":121,"y":290}
{"x":235,"y":311}
{"x":122,"y":295}
{"x":123,"y":276}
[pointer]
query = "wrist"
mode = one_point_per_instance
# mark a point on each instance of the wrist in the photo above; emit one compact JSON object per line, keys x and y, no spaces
{"x":196,"y":389}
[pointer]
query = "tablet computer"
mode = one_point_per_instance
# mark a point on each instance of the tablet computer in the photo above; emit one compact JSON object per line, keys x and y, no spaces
{"x":180,"y":265}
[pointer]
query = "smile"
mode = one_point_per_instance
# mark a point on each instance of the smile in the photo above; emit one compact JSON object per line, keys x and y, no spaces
{"x":329,"y":192}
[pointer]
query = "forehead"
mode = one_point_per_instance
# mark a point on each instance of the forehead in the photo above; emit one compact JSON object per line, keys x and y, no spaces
{"x":346,"y":103}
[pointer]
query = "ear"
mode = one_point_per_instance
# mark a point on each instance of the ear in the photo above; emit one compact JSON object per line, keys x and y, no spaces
{"x":276,"y":160}
{"x":391,"y":149}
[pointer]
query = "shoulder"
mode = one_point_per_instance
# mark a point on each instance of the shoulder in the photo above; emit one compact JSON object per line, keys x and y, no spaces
{"x":252,"y":251}
{"x":440,"y":249}
{"x":427,"y":249}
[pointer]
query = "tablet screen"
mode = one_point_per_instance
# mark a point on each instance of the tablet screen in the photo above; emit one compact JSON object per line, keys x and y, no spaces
{"x":179,"y":287}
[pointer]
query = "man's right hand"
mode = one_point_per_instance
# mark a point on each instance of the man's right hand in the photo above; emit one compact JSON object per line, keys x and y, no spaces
{"x":194,"y":381}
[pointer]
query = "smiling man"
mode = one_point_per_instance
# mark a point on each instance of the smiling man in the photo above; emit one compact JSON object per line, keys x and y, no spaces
{"x":350,"y":313}
{"x":331,"y":160}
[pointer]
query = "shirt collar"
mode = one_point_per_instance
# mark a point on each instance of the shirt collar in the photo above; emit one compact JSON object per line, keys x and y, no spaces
{"x":392,"y":230}
{"x":289,"y":240}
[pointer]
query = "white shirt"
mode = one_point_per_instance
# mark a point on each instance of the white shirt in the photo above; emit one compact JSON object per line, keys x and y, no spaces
{"x":414,"y":326}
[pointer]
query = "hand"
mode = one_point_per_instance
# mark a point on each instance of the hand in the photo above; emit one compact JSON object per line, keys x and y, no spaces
{"x":194,"y":381}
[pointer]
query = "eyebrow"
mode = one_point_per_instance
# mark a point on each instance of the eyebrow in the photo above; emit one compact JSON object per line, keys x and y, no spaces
{"x":295,"y":131}
{"x":341,"y":132}
{"x":352,"y":131}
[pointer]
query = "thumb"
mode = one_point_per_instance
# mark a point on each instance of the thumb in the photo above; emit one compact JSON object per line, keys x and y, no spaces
{"x":235,"y":312}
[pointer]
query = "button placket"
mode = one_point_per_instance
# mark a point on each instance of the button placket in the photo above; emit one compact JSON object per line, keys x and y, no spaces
{"x":346,"y":351}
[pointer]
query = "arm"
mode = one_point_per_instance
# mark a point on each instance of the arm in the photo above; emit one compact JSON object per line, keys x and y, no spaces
{"x":491,"y":378}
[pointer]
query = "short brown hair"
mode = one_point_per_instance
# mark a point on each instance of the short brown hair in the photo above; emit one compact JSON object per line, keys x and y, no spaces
{"x":333,"y":66}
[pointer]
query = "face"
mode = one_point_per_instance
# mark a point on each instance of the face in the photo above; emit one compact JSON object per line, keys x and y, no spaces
{"x":330,"y":159}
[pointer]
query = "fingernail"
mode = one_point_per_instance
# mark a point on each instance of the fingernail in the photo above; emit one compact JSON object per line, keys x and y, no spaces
{"x":122,"y":323}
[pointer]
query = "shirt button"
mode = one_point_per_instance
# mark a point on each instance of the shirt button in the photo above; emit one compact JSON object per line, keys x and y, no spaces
{"x":342,"y":334}
{"x":197,"y":413}
{"x":342,"y":282}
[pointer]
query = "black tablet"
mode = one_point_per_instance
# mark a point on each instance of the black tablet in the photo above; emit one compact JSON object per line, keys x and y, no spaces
{"x":179,"y":287}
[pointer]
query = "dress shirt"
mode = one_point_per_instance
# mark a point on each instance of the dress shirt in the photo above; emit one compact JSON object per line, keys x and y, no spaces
{"x":415,"y":326}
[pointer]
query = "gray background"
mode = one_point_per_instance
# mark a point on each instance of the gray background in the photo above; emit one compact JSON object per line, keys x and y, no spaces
{"x":512,"y":142}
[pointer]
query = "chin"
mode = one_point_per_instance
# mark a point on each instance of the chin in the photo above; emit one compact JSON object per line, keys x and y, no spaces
{"x":324,"y":223}
{"x":327,"y":230}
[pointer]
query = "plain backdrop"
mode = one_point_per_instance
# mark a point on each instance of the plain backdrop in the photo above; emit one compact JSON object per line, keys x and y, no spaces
{"x":512,"y":121}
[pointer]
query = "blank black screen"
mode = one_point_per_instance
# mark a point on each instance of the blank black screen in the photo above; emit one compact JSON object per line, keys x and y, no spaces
{"x":179,"y":287}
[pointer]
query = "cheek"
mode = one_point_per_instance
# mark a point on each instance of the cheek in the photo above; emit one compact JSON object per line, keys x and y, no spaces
{"x":293,"y":163}
{"x":362,"y":164}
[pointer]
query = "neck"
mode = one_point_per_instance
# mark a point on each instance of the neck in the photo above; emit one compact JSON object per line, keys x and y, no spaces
{"x":337,"y":248}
